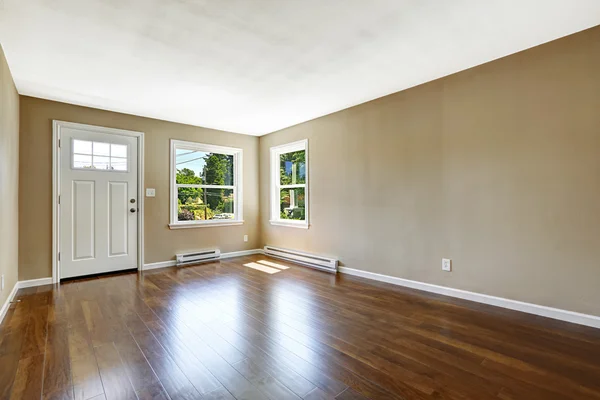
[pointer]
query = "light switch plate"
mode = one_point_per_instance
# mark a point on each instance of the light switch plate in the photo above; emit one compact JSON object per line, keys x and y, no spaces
{"x":150,"y":192}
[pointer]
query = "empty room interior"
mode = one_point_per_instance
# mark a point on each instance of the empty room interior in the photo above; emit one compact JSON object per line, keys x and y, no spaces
{"x":262,"y":199}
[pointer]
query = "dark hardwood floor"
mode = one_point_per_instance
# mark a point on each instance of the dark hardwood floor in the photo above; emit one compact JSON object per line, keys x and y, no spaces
{"x":259,"y":328}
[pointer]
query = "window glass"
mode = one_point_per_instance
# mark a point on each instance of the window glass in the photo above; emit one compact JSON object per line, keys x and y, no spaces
{"x":101,"y":149}
{"x":204,"y":204}
{"x":195,"y":204}
{"x":291,"y":202}
{"x":82,"y":147}
{"x":203,"y":168}
{"x":204,"y":183}
{"x":292,"y":168}
{"x":118,"y":164}
{"x":101,"y":162}
{"x":118,"y":150}
{"x":289,"y":184}
{"x":99,"y":155}
{"x":82,"y":161}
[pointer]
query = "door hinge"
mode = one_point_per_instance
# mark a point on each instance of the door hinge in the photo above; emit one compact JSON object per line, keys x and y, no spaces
{"x":58,"y":199}
{"x":59,"y":256}
{"x":58,"y":143}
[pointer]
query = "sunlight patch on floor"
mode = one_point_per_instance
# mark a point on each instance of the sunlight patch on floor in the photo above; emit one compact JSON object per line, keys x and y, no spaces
{"x":266,"y":266}
{"x":263,"y":268}
{"x":272,"y":264}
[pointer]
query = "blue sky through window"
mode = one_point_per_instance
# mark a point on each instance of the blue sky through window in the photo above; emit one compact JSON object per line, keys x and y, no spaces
{"x":288,"y":169}
{"x":190,"y":159}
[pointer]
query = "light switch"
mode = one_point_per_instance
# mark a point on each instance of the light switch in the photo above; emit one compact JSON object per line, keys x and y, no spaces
{"x":150,"y":192}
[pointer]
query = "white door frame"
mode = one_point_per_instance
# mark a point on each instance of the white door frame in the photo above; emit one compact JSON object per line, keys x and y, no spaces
{"x":56,"y":130}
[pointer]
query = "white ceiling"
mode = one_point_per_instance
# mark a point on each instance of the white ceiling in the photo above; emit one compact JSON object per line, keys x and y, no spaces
{"x":257,"y":66}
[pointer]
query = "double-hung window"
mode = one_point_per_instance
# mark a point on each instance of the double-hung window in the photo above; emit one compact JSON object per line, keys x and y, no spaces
{"x":289,"y":184}
{"x":206,"y":185}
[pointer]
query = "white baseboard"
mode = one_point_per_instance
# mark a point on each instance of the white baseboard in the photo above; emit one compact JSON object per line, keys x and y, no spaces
{"x":549,"y":312}
{"x":171,"y":263}
{"x":161,"y":264}
{"x":6,"y":304}
{"x":35,"y":282}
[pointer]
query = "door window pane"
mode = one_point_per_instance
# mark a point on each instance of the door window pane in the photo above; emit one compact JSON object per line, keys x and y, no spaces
{"x":118,"y":164}
{"x":101,"y":149}
{"x":99,"y":155}
{"x":118,"y":150}
{"x":293,"y":168}
{"x":101,"y":162}
{"x":82,"y":161}
{"x":82,"y":147}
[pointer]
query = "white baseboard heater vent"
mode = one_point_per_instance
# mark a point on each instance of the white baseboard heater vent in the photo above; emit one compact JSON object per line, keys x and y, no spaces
{"x":300,"y":257}
{"x":197,"y":257}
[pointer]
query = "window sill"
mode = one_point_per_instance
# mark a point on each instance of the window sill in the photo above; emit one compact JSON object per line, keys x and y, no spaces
{"x":301,"y":225}
{"x":205,"y":224}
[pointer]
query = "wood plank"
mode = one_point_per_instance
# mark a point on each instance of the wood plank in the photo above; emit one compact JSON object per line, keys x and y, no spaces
{"x":318,"y":394}
{"x":137,"y":368}
{"x":114,"y":378}
{"x":28,"y":379}
{"x":34,"y":342}
{"x":224,"y":331}
{"x":350,"y":394}
{"x":219,"y":394}
{"x":155,"y":391}
{"x":173,"y":379}
{"x":57,"y":382}
{"x":86,"y":376}
{"x":202,"y":379}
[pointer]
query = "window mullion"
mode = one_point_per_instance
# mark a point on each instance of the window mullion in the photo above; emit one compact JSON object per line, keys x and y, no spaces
{"x":295,"y":186}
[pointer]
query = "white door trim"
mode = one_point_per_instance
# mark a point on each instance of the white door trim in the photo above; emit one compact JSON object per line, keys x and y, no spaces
{"x":56,"y":130}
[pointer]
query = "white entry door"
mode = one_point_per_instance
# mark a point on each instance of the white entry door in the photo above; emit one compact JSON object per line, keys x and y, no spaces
{"x":98,"y":207}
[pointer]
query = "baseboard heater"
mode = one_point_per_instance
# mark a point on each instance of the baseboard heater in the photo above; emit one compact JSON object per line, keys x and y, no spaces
{"x":197,"y":257}
{"x":300,"y":257}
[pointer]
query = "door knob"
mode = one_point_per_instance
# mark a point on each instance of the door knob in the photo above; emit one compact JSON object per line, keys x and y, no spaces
{"x":132,"y":210}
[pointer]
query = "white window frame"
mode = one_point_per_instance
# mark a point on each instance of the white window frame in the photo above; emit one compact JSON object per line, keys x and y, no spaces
{"x":237,"y":187}
{"x":276,"y":186}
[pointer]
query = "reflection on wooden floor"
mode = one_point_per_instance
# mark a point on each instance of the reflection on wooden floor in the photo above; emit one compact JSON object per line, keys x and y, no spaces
{"x":258,"y":328}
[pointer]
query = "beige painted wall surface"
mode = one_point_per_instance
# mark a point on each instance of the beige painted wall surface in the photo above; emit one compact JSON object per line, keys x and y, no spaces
{"x":9,"y":179}
{"x":497,"y":167}
{"x":161,"y":244}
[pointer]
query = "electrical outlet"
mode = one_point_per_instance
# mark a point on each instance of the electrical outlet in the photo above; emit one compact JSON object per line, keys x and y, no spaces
{"x":150,"y":192}
{"x":245,"y":238}
{"x":446,"y":264}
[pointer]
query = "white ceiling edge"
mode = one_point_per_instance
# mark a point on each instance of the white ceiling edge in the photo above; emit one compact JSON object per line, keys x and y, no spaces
{"x":34,"y":90}
{"x":439,"y":39}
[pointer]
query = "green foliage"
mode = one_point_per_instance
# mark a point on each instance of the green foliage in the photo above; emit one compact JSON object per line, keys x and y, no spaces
{"x":292,"y":172}
{"x":204,"y":204}
{"x":218,"y":170}
{"x":297,"y":212}
{"x":186,"y":176}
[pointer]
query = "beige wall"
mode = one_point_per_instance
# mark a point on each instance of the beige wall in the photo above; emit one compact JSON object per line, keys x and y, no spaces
{"x":9,"y":179}
{"x":161,"y":244}
{"x":497,"y":167}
